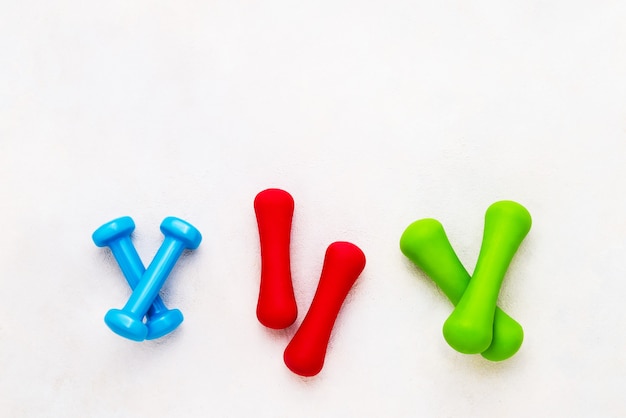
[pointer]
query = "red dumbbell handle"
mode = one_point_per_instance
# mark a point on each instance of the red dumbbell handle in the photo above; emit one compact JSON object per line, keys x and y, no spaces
{"x":343,"y":264}
{"x":276,"y":307}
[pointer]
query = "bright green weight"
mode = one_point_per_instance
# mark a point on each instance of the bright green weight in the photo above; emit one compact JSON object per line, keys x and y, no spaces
{"x":425,"y":243}
{"x":469,"y":329}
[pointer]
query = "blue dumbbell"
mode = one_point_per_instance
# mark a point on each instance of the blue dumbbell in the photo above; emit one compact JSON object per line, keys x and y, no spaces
{"x":127,"y":322}
{"x":116,"y":235}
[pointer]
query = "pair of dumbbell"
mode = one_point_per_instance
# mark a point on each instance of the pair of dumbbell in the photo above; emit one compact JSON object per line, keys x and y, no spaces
{"x":146,"y":283}
{"x":276,"y":307}
{"x":476,"y":325}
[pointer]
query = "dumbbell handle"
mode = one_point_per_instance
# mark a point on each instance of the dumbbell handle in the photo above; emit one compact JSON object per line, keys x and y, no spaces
{"x":133,"y":269}
{"x":153,"y":279}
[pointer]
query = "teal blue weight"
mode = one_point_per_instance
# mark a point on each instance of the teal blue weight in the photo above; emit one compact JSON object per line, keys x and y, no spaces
{"x":116,"y":235}
{"x":127,"y":322}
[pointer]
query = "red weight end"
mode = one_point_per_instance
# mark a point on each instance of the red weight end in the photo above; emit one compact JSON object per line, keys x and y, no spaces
{"x":276,"y":307}
{"x":306,"y":352}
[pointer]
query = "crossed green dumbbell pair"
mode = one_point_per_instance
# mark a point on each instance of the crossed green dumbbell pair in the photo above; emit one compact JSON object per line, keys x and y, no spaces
{"x":476,"y":325}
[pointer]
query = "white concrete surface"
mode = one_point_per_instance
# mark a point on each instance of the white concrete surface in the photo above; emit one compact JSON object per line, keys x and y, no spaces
{"x":372,"y":114}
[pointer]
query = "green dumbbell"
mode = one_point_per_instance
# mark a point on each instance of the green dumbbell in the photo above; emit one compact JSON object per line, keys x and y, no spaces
{"x":426,"y":244}
{"x":469,"y":329}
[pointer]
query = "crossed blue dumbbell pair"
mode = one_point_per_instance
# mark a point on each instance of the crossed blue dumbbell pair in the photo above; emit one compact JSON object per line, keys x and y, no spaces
{"x":146,"y":283}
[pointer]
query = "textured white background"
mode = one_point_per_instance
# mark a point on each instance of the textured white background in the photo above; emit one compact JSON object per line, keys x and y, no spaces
{"x":372,"y":114}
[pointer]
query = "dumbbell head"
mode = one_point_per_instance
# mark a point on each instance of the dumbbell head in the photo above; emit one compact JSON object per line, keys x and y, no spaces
{"x":111,"y":231}
{"x":126,"y":325}
{"x":277,"y":202}
{"x":182,"y":231}
{"x":163,"y":323}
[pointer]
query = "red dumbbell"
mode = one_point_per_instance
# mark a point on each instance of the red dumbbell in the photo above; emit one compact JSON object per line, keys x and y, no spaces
{"x":276,"y":307}
{"x":343,"y":264}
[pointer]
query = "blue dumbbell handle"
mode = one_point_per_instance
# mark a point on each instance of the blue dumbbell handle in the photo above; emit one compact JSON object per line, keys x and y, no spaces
{"x":126,"y":256}
{"x":147,"y":289}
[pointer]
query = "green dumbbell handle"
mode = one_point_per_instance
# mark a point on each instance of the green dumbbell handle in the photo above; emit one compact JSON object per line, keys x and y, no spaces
{"x":426,"y":244}
{"x":469,"y":329}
